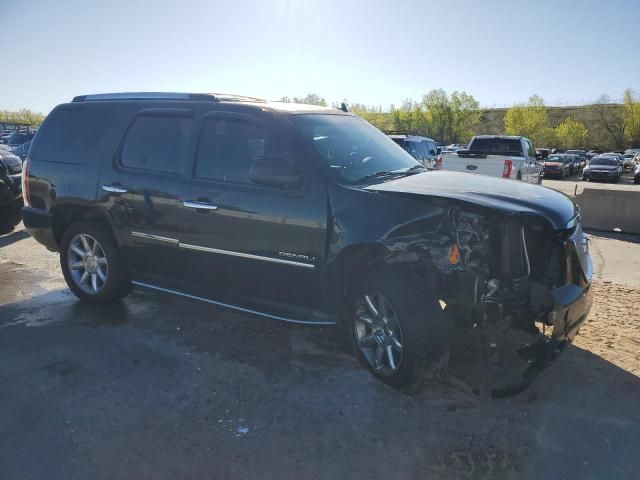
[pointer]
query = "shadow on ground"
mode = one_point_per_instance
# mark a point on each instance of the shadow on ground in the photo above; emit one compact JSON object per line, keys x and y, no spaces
{"x":161,"y":387}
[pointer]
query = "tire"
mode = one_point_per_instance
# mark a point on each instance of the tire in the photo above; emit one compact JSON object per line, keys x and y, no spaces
{"x":116,"y":283}
{"x":417,"y":322}
{"x":540,"y":179}
{"x":636,"y":180}
{"x":519,"y":176}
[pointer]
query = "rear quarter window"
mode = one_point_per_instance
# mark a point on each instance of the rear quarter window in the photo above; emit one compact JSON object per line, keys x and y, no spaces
{"x":68,"y":135}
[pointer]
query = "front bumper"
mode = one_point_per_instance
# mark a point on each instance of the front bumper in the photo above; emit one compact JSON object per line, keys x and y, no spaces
{"x":569,"y":306}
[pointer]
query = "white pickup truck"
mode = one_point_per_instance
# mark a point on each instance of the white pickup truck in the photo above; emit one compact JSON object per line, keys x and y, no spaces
{"x":495,"y":156}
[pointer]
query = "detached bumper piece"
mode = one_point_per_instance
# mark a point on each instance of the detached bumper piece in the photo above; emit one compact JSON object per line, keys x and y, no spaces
{"x":565,"y":323}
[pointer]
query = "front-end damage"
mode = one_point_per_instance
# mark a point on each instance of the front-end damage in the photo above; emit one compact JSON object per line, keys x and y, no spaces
{"x":516,"y":288}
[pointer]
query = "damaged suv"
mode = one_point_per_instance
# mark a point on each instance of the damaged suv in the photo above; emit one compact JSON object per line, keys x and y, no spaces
{"x":308,"y":215}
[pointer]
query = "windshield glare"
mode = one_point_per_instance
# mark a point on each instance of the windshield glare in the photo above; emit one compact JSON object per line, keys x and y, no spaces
{"x":351,"y":147}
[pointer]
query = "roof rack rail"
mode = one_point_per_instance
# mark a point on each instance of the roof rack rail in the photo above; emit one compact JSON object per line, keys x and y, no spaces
{"x":211,"y":97}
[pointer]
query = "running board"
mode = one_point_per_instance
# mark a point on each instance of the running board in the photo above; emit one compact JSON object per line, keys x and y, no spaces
{"x":229,"y":306}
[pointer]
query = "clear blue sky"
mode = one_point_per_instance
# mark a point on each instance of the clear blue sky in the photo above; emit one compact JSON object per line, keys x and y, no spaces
{"x":368,"y":51}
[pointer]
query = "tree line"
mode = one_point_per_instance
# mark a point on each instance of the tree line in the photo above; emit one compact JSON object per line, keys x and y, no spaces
{"x":455,"y":117}
{"x":24,"y":117}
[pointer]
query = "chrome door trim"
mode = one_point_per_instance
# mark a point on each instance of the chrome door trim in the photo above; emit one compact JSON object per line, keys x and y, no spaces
{"x":245,"y":255}
{"x":227,"y":305}
{"x":199,"y":205}
{"x":114,"y":189}
{"x":148,"y":236}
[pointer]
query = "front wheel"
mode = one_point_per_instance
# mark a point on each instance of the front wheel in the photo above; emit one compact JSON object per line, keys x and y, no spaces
{"x":399,"y":333}
{"x":92,"y":265}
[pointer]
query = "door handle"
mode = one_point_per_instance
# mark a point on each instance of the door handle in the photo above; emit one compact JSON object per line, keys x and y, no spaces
{"x":114,"y":189}
{"x":199,"y":205}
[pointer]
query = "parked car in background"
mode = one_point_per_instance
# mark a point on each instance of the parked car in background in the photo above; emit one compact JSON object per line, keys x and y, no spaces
{"x":308,"y":215}
{"x":618,"y":156}
{"x":603,"y":168}
{"x":423,"y":149}
{"x":582,"y":156}
{"x":4,"y":137}
{"x":575,"y":163}
{"x":628,"y":161}
{"x":593,"y":153}
{"x":556,"y":166}
{"x":636,"y":175}
{"x":10,"y":190}
{"x":543,"y":153}
{"x":496,"y":156}
{"x":18,"y":138}
{"x":22,"y":150}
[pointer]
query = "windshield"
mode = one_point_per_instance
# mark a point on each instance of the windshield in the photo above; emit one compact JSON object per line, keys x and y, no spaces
{"x":555,"y":158}
{"x":351,"y":147}
{"x":604,"y":161}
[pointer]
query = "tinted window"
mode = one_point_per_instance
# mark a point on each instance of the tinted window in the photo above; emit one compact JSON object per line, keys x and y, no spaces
{"x":432,"y":149}
{"x":604,"y":161}
{"x":416,"y":148}
{"x":68,"y":136}
{"x":156,"y":143}
{"x":228,"y":148}
{"x":497,"y":146}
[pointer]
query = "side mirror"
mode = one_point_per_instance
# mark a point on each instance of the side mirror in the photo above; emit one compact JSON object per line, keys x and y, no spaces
{"x":275,"y":172}
{"x":439,"y":150}
{"x":539,"y":156}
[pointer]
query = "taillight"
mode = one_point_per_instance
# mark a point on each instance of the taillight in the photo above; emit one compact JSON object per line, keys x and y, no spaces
{"x":25,"y":183}
{"x":508,"y":167}
{"x":438,"y":164}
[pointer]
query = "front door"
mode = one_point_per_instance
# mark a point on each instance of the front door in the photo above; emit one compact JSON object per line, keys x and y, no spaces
{"x":143,"y":190}
{"x":245,"y":244}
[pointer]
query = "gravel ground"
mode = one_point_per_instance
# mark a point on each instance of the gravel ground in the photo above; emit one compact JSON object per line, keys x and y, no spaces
{"x":160,"y":387}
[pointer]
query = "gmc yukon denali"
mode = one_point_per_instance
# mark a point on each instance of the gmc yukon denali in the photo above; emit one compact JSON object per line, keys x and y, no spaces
{"x":308,"y":215}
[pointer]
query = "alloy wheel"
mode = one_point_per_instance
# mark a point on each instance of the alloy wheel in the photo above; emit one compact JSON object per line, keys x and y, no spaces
{"x":378,"y":334}
{"x":87,"y":263}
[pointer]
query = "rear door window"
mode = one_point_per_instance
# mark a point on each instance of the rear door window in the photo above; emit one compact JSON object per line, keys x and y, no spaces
{"x":69,"y":135}
{"x":228,"y":148}
{"x":156,"y":143}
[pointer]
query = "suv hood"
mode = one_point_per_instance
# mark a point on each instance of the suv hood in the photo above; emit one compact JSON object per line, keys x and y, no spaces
{"x":508,"y":196}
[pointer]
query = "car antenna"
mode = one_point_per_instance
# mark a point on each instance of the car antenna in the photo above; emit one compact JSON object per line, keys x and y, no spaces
{"x":343,"y":107}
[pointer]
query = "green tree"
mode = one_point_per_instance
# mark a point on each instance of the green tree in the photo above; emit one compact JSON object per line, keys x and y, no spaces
{"x":530,"y":120}
{"x":611,"y":118}
{"x":311,"y":99}
{"x":465,"y":116}
{"x":632,"y":118}
{"x":23,"y":116}
{"x":571,"y":134}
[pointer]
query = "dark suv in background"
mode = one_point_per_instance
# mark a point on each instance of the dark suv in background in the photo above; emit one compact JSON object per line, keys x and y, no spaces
{"x":423,"y":149}
{"x":308,"y":215}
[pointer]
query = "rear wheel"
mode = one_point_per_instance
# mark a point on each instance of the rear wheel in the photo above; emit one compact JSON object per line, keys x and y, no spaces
{"x":92,"y":265}
{"x":399,"y":333}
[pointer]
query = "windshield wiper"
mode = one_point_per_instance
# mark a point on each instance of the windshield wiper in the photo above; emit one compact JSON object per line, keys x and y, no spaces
{"x":394,"y":173}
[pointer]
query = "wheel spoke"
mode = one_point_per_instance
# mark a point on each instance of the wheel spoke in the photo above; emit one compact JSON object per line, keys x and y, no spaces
{"x":371,"y":306}
{"x":366,"y":319}
{"x":395,"y":343}
{"x":96,"y":247}
{"x":101,"y":274}
{"x":78,"y":251}
{"x":382,"y":306}
{"x":84,"y":277}
{"x":77,"y":265}
{"x":392,"y":362}
{"x":85,"y":243}
{"x":94,"y":282}
{"x":101,"y":260}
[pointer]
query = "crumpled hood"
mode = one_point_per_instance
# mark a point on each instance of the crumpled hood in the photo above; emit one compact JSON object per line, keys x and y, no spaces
{"x":508,"y":196}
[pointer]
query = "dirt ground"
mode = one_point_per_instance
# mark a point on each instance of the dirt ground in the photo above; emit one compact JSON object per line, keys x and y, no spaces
{"x":160,"y":387}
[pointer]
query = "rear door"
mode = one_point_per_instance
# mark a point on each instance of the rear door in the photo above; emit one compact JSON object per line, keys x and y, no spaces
{"x":142,"y":193}
{"x":244,"y":244}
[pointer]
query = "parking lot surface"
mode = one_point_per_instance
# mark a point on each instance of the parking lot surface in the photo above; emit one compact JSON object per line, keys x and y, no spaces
{"x":574,"y":184}
{"x":161,"y":387}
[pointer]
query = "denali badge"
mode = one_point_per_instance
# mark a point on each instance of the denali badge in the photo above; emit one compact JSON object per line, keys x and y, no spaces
{"x":297,"y":256}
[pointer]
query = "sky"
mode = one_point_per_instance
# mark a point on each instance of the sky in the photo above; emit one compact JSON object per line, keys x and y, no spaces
{"x":366,"y":51}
